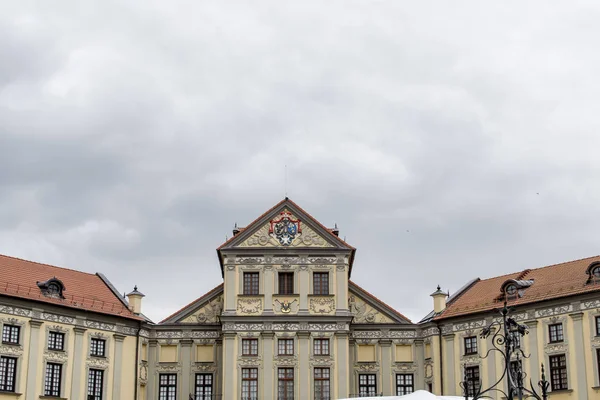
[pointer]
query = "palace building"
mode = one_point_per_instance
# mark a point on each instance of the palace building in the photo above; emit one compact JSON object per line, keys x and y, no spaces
{"x":287,"y":322}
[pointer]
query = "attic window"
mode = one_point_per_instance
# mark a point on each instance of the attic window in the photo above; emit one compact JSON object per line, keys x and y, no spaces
{"x":53,"y":287}
{"x":514,"y":289}
{"x":594,"y":272}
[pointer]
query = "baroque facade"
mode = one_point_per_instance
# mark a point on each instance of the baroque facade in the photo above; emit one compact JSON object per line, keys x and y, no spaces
{"x":286,"y":323}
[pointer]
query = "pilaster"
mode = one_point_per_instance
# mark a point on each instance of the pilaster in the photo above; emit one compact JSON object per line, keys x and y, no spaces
{"x":118,"y":365}
{"x":303,"y":288}
{"x":419,"y":380}
{"x":580,"y":382}
{"x":269,"y":285}
{"x":33,"y":381}
{"x":342,"y":364}
{"x":229,"y":374}
{"x":532,"y":348}
{"x":341,"y":290}
{"x":78,"y":358}
{"x":186,"y":363}
{"x":151,"y":386}
{"x":386,"y":367}
{"x":269,"y":372}
{"x":229,"y":288}
{"x":449,"y":379}
{"x":303,"y":369}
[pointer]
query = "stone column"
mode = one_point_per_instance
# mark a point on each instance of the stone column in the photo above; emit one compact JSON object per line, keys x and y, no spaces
{"x":118,"y":365}
{"x":420,"y":361}
{"x":269,"y":279}
{"x":186,"y":363}
{"x":386,"y":367}
{"x":580,"y":383}
{"x":230,"y":381}
{"x":303,"y":288}
{"x":78,"y":365}
{"x":532,"y":349}
{"x":449,"y":379}
{"x":304,"y":385}
{"x":269,"y":385}
{"x":342,"y":364}
{"x":33,"y":381}
{"x":151,"y":386}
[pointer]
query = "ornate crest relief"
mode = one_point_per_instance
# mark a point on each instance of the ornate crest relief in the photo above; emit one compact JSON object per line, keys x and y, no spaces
{"x":285,"y":229}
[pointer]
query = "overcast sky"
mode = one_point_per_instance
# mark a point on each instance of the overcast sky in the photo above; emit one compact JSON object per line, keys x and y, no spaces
{"x":448,"y":140}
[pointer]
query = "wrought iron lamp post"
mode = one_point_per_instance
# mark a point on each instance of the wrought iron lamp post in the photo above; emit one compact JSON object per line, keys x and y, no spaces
{"x":506,"y":338}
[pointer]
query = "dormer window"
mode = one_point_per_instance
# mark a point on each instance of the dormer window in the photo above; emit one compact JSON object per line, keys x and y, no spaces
{"x":594,"y":272}
{"x":53,"y":287}
{"x":514,"y":289}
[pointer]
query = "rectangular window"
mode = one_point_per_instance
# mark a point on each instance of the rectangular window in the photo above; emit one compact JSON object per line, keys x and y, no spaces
{"x":471,"y":345}
{"x":10,"y":334}
{"x":472,"y":377}
{"x":97,"y":347}
{"x":251,"y":283}
{"x":53,"y":379}
{"x":56,"y":341}
{"x":321,"y":347}
{"x":249,"y":383}
{"x":598,"y":361}
{"x":558,"y":372}
{"x":556,"y":333}
{"x":285,"y":386}
{"x":404,"y":384}
{"x":286,"y":283}
{"x":167,"y":386}
{"x":321,"y":283}
{"x":8,"y":373}
{"x":322,"y":388}
{"x":597,"y":326}
{"x":285,"y":347}
{"x":95,"y":384}
{"x":203,"y":388}
{"x":367,"y":385}
{"x":249,"y":347}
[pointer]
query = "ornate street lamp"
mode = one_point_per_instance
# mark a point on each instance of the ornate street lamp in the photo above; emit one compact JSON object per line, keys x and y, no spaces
{"x":506,"y":339}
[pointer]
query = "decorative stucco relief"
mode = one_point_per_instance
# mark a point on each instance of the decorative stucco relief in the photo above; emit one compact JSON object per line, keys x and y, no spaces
{"x":586,"y":305}
{"x":285,"y":361}
{"x":547,"y":312}
{"x":208,"y":313}
{"x":430,"y":332}
{"x":364,"y":313}
{"x":11,"y":350}
{"x":468,"y":325}
{"x":321,"y":305}
{"x":97,"y":362}
{"x":283,"y":305}
{"x":384,"y":334}
{"x":298,"y":234}
{"x":285,"y":326}
{"x":249,"y":306}
{"x":56,"y":356}
{"x":367,"y":367}
{"x":321,"y":361}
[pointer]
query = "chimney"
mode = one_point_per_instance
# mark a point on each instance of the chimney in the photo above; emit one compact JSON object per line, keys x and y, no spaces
{"x":439,"y":300}
{"x":135,"y":301}
{"x":336,"y":231}
{"x":236,"y":230}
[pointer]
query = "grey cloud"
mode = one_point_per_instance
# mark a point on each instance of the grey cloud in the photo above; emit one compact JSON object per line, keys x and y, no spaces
{"x":133,"y":135}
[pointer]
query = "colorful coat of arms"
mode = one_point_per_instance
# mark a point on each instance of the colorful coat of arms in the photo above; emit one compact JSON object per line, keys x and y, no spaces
{"x":285,"y":229}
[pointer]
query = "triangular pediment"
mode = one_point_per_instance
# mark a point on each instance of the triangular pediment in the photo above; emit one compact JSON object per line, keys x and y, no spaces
{"x":367,"y":309}
{"x":204,"y":310}
{"x":285,"y":226}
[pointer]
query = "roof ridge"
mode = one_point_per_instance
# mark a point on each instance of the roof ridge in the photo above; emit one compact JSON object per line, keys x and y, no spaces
{"x":398,"y":313}
{"x":207,"y":294}
{"x":565,"y":262}
{"x":49,"y":265}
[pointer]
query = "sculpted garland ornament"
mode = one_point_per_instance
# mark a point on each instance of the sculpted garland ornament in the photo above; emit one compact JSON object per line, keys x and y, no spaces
{"x":285,"y":229}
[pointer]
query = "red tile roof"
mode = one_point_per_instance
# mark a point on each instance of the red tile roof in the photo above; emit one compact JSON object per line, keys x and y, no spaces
{"x":85,"y":291}
{"x":551,"y":282}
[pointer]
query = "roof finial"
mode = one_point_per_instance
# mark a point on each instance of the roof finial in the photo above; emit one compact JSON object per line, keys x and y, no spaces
{"x":135,"y":288}
{"x":439,"y":288}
